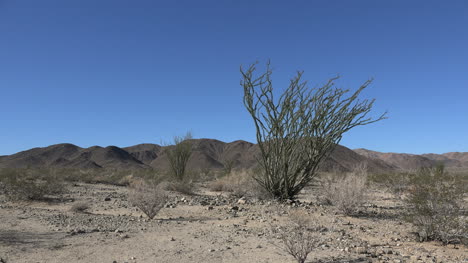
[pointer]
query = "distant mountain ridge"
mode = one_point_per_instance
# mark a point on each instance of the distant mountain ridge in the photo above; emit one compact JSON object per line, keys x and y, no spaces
{"x":405,"y":161}
{"x":207,"y":154}
{"x":214,"y":154}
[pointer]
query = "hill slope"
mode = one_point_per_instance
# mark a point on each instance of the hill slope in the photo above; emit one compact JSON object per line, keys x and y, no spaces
{"x":404,"y":161}
{"x":207,"y":154}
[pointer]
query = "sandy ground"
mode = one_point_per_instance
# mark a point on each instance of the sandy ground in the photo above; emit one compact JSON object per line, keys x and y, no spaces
{"x":207,"y":227}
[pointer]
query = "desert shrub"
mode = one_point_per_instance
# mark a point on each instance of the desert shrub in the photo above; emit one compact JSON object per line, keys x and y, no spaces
{"x":300,"y":236}
{"x":184,"y":187}
{"x":297,"y":131}
{"x":217,"y":185}
{"x":31,"y":184}
{"x":348,"y":192}
{"x":435,"y":206}
{"x":147,"y":196}
{"x":120,"y":177}
{"x":239,"y":184}
{"x":80,"y":207}
{"x":396,"y":183}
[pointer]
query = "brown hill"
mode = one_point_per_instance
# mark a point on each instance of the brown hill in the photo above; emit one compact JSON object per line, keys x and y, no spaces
{"x":451,"y":159}
{"x":69,"y":155}
{"x":402,"y":161}
{"x":459,"y":156}
{"x":207,"y":154}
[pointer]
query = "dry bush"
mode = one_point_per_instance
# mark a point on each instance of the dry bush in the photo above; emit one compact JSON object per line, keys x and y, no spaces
{"x":31,"y":184}
{"x":301,"y":235}
{"x":217,"y":186}
{"x":239,"y":184}
{"x":347,"y":193}
{"x":147,"y":196}
{"x":80,"y":207}
{"x":184,"y":187}
{"x":113,"y":176}
{"x":396,"y":183}
{"x":435,"y":203}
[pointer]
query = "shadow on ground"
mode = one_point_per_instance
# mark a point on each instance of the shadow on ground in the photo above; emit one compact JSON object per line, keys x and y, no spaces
{"x":14,"y":238}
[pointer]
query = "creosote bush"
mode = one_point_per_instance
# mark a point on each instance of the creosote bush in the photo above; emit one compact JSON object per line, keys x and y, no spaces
{"x":299,"y":130}
{"x":434,"y":202}
{"x":348,"y":192}
{"x":147,"y":196}
{"x":31,"y":184}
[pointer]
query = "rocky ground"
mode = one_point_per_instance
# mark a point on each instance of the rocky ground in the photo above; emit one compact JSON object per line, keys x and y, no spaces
{"x":207,"y":227}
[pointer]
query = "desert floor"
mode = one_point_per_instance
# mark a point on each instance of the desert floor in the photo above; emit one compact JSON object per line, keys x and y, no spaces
{"x":206,"y":227}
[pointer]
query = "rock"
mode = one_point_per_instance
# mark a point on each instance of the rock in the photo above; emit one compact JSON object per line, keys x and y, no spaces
{"x":235,"y":208}
{"x":209,"y":208}
{"x":172,"y":239}
{"x":242,"y":201}
{"x":107,"y":199}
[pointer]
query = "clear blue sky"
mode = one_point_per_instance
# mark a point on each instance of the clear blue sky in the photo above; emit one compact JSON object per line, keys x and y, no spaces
{"x":110,"y":72}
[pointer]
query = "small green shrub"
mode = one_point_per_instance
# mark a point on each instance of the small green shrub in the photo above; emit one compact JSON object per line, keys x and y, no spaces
{"x":435,"y":206}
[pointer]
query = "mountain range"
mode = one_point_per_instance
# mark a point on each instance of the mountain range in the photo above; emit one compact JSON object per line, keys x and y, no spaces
{"x":213,"y":154}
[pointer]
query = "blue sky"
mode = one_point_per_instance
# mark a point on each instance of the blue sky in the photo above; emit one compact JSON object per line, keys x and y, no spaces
{"x":113,"y":72}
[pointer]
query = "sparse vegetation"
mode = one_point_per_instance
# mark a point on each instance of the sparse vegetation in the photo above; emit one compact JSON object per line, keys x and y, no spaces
{"x":148,"y":197}
{"x":184,"y":187}
{"x":435,"y":206}
{"x":348,"y":192}
{"x":179,"y":155}
{"x":31,"y":184}
{"x":239,"y":184}
{"x":298,"y":131}
{"x":80,"y":207}
{"x":397,"y":182}
{"x":228,"y":164}
{"x":122,"y":177}
{"x":300,"y":236}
